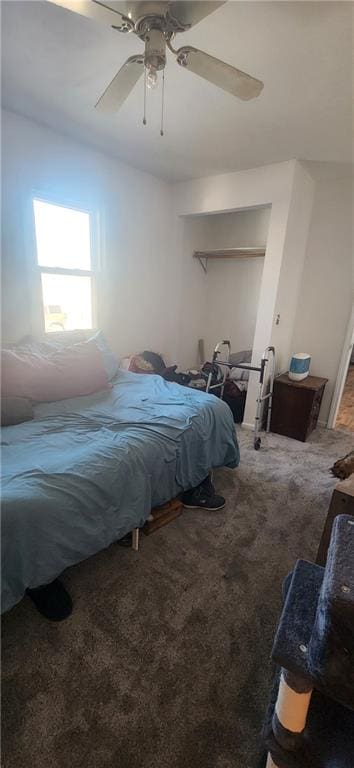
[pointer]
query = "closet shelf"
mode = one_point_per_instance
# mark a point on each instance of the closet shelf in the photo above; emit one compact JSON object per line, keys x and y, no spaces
{"x":227,"y":253}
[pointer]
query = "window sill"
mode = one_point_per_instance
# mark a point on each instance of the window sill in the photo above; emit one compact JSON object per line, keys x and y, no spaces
{"x":80,"y":334}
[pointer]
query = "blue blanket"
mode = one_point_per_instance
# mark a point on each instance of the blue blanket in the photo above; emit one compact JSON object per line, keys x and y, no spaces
{"x":86,"y":471}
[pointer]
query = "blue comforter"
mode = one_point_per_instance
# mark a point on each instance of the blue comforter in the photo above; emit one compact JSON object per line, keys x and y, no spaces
{"x":86,"y":471}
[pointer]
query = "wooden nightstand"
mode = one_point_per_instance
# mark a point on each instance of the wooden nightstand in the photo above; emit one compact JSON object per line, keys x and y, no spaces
{"x":296,"y":405}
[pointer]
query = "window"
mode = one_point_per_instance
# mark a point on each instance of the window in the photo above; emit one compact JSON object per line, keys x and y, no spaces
{"x":63,"y":240}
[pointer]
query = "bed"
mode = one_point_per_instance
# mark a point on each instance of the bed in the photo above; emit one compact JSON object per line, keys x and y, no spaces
{"x":86,"y":471}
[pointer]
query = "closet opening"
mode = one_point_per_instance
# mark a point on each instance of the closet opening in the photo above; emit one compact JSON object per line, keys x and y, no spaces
{"x":225,"y":253}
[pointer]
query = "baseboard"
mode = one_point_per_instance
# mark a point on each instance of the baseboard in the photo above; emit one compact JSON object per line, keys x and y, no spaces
{"x":245,"y":425}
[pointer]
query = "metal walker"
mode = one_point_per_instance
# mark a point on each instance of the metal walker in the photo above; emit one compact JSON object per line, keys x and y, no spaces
{"x":268,"y":356}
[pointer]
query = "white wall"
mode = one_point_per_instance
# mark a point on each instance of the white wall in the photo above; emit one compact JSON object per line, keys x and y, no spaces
{"x":291,"y":272}
{"x":138,"y":257}
{"x":232,"y":303}
{"x":190,"y":290}
{"x":326,"y":292}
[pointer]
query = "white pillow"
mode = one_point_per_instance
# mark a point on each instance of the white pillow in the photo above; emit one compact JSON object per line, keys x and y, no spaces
{"x":48,"y":346}
{"x":110,"y":361}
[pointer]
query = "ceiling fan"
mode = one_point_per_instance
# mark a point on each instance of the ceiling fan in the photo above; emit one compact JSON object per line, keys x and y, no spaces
{"x":156,"y":24}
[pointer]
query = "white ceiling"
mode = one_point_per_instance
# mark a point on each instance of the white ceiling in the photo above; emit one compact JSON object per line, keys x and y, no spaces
{"x":57,"y":63}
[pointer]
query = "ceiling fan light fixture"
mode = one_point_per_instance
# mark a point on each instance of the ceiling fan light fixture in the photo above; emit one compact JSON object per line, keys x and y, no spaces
{"x":151,"y":78}
{"x":155,"y":23}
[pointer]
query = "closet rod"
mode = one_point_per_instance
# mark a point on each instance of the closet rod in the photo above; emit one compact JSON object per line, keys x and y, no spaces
{"x":227,"y":253}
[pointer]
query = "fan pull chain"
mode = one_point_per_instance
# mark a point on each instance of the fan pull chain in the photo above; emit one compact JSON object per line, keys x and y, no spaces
{"x":162,"y":101}
{"x":144,"y":116}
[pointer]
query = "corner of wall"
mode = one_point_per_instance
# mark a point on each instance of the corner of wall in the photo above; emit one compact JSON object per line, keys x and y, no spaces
{"x":295,"y":245}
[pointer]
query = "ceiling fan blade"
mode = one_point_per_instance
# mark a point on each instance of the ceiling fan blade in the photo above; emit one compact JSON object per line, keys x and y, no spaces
{"x":100,"y":11}
{"x":135,"y":9}
{"x":190,"y":12}
{"x":218,"y":72}
{"x":119,"y":89}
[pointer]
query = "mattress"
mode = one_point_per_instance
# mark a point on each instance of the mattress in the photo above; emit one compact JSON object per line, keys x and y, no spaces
{"x":86,"y":471}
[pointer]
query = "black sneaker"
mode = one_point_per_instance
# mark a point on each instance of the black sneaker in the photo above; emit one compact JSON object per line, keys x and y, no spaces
{"x":203,"y":497}
{"x":52,"y":600}
{"x":208,"y":486}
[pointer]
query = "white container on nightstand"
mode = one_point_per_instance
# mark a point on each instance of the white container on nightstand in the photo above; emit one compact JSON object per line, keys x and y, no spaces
{"x":299,"y":367}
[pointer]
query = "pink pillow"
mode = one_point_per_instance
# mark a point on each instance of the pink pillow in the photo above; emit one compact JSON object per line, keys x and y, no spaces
{"x":68,"y":372}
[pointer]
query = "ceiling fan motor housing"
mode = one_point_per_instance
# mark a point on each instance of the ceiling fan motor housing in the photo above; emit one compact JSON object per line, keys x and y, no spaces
{"x":155,"y":49}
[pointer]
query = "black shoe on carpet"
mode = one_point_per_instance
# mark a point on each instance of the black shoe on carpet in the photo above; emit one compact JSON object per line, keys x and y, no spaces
{"x":203,"y":497}
{"x":52,"y":600}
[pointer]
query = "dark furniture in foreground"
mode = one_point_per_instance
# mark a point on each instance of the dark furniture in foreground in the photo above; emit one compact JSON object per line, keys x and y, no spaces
{"x":310,"y":720}
{"x":342,"y":503}
{"x":296,"y":405}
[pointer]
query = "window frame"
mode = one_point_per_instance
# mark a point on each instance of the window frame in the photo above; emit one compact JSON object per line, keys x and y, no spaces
{"x":92,"y":273}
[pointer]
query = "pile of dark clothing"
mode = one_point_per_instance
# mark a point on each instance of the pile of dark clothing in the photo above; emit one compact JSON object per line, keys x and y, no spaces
{"x":169,"y":373}
{"x":232,"y":395}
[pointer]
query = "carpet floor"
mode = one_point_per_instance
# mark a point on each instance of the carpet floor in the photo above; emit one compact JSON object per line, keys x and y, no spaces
{"x":164,"y":662}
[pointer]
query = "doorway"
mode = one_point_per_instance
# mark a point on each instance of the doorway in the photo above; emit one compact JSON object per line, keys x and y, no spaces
{"x":345,"y":417}
{"x":342,"y":409}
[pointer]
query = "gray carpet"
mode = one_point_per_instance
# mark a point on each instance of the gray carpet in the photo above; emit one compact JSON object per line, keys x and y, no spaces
{"x":165,"y":660}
